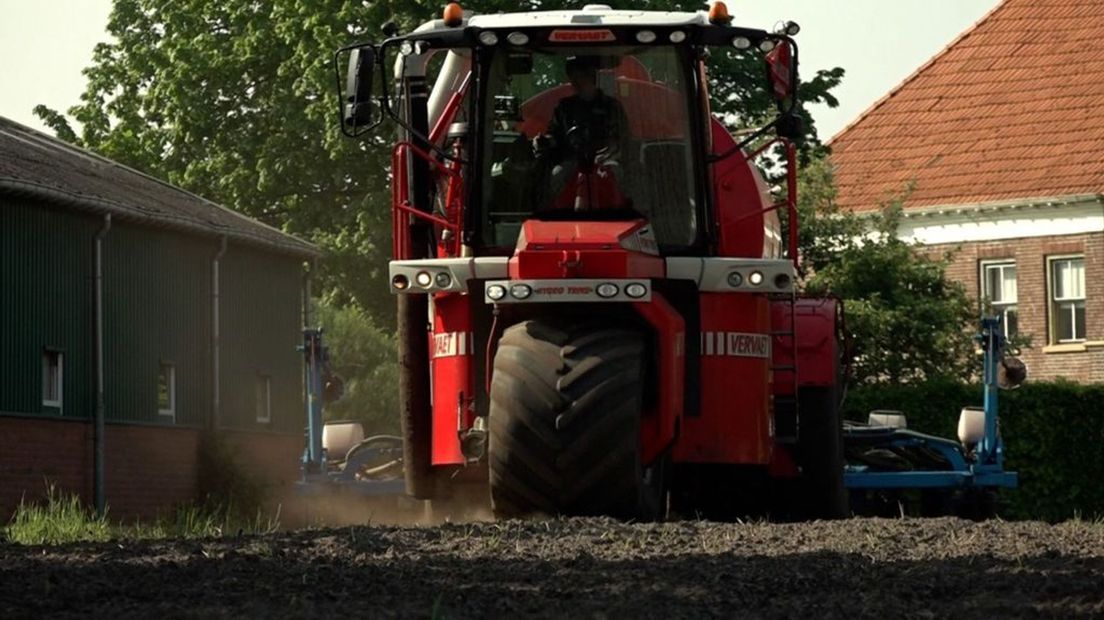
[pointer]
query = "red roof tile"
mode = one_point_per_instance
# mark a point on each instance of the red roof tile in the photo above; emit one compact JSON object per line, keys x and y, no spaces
{"x":1014,"y":108}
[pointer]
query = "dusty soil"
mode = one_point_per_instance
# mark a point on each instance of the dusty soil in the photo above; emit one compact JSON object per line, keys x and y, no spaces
{"x":579,"y":568}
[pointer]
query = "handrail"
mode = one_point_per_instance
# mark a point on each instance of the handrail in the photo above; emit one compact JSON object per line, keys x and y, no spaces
{"x":400,"y":202}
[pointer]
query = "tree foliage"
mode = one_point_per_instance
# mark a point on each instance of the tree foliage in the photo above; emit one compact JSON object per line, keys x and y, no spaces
{"x":909,"y":322}
{"x":235,"y":102}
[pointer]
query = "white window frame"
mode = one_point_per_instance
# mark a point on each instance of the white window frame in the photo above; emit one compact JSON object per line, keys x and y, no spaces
{"x":1053,"y":302}
{"x":263,"y":407}
{"x":1003,"y":305}
{"x":171,"y":411}
{"x":59,"y":381}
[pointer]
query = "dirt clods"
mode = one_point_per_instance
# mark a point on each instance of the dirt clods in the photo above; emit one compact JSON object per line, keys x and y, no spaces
{"x":579,"y":568}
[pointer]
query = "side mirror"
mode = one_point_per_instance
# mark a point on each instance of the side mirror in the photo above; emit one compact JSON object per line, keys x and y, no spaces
{"x":359,"y":111}
{"x":781,"y":72}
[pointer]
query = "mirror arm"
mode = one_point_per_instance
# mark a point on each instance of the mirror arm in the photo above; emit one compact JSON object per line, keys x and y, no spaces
{"x":386,"y":99}
{"x":788,"y":111}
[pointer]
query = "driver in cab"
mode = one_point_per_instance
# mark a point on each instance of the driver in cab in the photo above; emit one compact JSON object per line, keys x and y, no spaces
{"x":588,"y":130}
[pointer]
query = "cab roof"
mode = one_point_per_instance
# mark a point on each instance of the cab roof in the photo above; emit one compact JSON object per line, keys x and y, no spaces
{"x":590,"y":15}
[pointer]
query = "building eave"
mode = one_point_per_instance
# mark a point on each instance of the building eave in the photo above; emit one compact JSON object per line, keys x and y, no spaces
{"x":128,"y":213}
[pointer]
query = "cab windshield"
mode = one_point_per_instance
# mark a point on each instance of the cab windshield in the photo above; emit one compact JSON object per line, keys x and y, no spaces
{"x":588,"y":133}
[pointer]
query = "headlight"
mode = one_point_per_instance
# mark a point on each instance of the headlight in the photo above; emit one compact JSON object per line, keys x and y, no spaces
{"x":756,"y":278}
{"x":636,"y":290}
{"x":520,"y":291}
{"x":488,"y":38}
{"x":423,"y":279}
{"x":406,"y":48}
{"x":400,"y":282}
{"x":767,"y":45}
{"x":741,"y":43}
{"x":735,"y":279}
{"x":443,"y":280}
{"x":496,"y":292}
{"x":607,"y":290}
{"x":677,"y":36}
{"x":517,"y":38}
{"x":646,"y":36}
{"x":782,"y":281}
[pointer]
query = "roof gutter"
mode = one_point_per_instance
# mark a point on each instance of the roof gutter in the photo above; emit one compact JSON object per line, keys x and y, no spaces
{"x":102,"y":206}
{"x":953,"y":210}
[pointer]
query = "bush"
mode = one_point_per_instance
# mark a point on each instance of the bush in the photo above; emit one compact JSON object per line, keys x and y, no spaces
{"x":366,"y":357}
{"x":1053,"y":434}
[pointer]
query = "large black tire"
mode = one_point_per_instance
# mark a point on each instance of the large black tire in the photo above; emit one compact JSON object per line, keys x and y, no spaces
{"x":565,"y":414}
{"x":820,"y":455}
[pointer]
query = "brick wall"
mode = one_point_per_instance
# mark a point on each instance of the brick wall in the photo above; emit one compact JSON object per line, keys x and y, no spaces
{"x":148,"y":469}
{"x":1083,"y":363}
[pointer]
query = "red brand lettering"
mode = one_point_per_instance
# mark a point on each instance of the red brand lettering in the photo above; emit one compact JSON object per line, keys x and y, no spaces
{"x":575,"y":36}
{"x":579,"y":290}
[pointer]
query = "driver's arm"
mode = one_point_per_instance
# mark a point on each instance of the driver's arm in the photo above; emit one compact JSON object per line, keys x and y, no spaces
{"x":557,"y":134}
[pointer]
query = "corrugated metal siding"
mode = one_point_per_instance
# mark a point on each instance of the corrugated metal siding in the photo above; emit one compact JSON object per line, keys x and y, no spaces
{"x":45,"y":301}
{"x":261,"y":327}
{"x":157,"y":307}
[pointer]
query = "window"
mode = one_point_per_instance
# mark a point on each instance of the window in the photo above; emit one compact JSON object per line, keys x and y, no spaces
{"x":1067,"y":299}
{"x":166,"y":390}
{"x":52,"y":368}
{"x":998,"y":292}
{"x":626,"y":154}
{"x":264,"y":399}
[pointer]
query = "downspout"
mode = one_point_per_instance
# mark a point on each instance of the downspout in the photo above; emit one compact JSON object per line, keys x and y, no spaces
{"x":308,"y":281}
{"x":98,"y":337}
{"x":216,"y":339}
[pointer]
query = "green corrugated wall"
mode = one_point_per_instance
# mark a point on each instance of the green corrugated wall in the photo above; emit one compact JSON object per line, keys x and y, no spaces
{"x":45,"y":301}
{"x":157,"y":306}
{"x":261,"y":328}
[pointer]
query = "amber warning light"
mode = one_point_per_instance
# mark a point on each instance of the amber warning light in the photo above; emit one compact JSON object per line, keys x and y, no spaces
{"x":718,"y":14}
{"x":453,"y":15}
{"x":581,"y":36}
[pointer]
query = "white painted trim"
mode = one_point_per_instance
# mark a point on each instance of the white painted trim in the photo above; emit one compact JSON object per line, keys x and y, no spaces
{"x":460,"y":270}
{"x":171,"y":411}
{"x":59,"y":381}
{"x":1000,"y":221}
{"x":266,"y":383}
{"x":711,"y":274}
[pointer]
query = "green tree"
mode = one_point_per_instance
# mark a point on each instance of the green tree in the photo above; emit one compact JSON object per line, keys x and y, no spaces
{"x":908,"y":320}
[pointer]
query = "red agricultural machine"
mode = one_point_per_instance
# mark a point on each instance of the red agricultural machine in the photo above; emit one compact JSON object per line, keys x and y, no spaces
{"x":596,"y":302}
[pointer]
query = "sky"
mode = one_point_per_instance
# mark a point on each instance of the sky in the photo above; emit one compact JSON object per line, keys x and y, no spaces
{"x":44,"y":45}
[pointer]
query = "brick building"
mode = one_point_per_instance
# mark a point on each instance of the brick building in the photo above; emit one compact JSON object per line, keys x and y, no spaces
{"x":199,"y":314}
{"x":1001,"y":138}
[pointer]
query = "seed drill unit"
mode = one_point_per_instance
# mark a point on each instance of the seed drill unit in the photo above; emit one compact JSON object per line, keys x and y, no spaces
{"x":596,"y":302}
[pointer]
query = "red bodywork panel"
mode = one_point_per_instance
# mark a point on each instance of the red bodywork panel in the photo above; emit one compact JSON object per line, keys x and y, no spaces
{"x":583,"y":250}
{"x":658,"y":428}
{"x":818,"y":352}
{"x":451,"y":349}
{"x":734,"y":423}
{"x":739,"y":193}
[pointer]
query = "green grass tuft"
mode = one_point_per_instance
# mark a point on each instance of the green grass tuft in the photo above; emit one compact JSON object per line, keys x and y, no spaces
{"x":60,"y":519}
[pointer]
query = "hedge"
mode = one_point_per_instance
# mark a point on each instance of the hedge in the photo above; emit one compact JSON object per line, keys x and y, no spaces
{"x":1053,"y":434}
